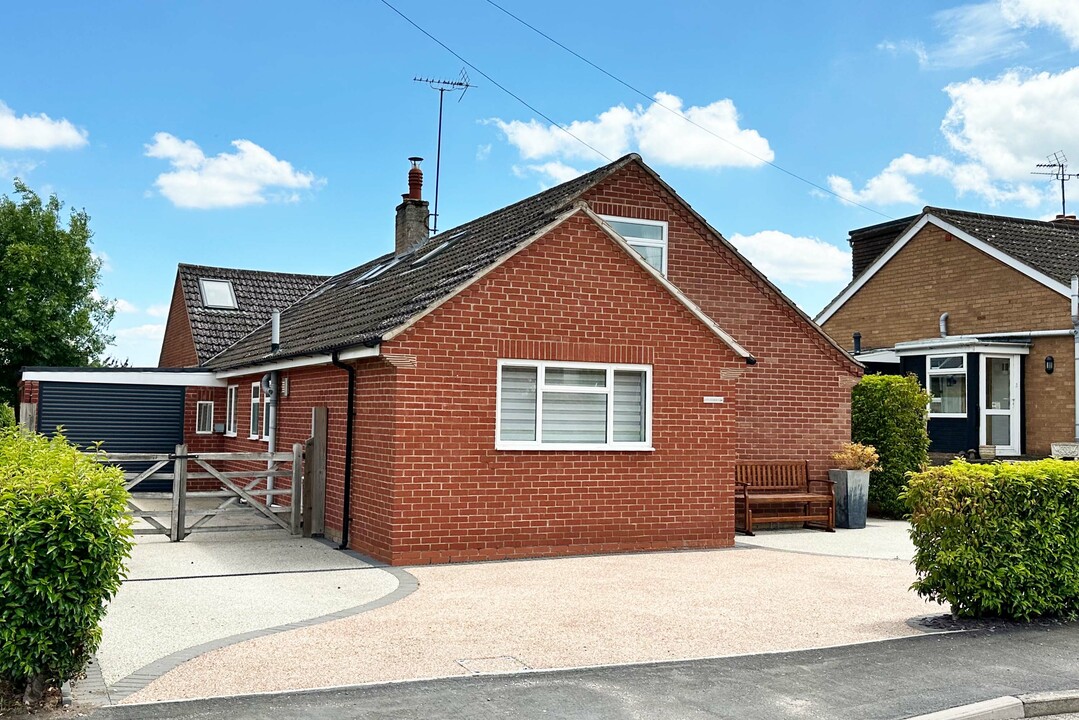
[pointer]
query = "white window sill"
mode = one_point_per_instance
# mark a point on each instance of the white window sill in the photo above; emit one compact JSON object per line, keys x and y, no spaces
{"x":253,"y":437}
{"x":230,"y":434}
{"x":204,"y":432}
{"x":596,"y":447}
{"x":953,"y":416}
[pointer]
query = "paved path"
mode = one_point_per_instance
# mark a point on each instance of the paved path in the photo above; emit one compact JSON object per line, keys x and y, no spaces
{"x":213,"y":587}
{"x":878,"y":681}
{"x":879,"y":539}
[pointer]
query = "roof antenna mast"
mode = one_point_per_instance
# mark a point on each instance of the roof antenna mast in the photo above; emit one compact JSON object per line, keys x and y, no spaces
{"x":1060,"y":165}
{"x":443,"y":86}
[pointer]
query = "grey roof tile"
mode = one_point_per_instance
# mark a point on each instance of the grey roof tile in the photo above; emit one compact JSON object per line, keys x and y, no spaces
{"x":257,"y":293}
{"x":347,"y":310}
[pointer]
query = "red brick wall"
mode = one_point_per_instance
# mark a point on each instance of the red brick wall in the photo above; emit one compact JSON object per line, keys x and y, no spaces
{"x":573,"y":295}
{"x":795,"y":403}
{"x":178,"y":347}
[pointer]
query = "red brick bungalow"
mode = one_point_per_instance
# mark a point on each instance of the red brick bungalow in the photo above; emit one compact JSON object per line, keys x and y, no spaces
{"x":574,"y":373}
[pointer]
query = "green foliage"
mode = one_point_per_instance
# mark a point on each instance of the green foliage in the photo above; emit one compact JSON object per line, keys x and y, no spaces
{"x":7,"y":416}
{"x":63,"y":541}
{"x":998,"y":540}
{"x":889,"y":413}
{"x":49,"y":312}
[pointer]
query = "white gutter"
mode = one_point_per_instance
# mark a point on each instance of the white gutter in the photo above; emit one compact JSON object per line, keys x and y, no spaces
{"x":307,"y":361}
{"x":123,"y":376}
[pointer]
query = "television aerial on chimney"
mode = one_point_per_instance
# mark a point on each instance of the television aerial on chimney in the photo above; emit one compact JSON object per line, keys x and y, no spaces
{"x":1060,"y":165}
{"x":443,"y":86}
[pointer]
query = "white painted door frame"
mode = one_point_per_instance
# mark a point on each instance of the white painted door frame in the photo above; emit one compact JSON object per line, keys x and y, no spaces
{"x":1015,"y":402}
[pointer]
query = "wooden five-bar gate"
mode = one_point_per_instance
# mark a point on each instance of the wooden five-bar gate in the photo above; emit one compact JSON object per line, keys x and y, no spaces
{"x":236,"y":497}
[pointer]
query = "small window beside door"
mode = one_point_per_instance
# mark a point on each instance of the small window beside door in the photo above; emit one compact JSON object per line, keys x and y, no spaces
{"x":946,"y":379}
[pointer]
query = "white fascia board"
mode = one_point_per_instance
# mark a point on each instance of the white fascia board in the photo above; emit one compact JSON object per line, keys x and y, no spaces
{"x":127,"y":377}
{"x":668,"y":285}
{"x":307,"y":361}
{"x":877,"y":356}
{"x":913,"y":230}
{"x":958,"y":344}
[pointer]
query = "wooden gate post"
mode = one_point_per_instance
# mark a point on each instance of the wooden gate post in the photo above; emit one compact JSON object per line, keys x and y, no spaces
{"x":297,"y":489}
{"x":314,"y":476}
{"x":178,"y":529}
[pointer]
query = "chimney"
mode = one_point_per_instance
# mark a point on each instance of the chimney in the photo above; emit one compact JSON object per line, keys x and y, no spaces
{"x":1061,"y":219}
{"x":412,"y":213}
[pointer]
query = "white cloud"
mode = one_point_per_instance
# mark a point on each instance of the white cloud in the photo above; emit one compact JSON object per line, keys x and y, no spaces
{"x":791,"y":259}
{"x":1061,"y":15}
{"x":124,"y":306}
{"x":483,"y":152}
{"x":37,"y":132}
{"x":158,"y":311}
{"x":554,"y":171}
{"x":15,"y":168}
{"x":972,"y":34}
{"x":140,"y":344}
{"x":997,"y":130}
{"x":249,"y":176}
{"x":102,"y":257}
{"x":656,"y":132}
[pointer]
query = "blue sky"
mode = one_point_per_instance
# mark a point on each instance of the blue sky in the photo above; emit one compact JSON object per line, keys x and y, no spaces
{"x":270,"y":135}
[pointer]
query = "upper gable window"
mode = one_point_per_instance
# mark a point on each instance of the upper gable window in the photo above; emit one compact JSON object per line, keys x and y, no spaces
{"x":217,"y":293}
{"x":648,"y":237}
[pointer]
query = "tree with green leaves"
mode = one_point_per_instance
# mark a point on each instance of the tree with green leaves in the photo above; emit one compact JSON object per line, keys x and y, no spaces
{"x":50,"y":312}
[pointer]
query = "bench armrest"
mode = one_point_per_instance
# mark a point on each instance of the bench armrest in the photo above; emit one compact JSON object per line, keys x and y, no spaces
{"x":823,"y":480}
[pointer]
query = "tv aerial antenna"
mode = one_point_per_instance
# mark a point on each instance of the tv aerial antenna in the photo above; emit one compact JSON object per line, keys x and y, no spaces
{"x":1059,"y":163}
{"x":461,"y":84}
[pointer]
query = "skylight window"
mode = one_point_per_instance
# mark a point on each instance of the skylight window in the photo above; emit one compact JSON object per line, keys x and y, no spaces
{"x":431,"y":253}
{"x":376,"y":271}
{"x":217,"y":293}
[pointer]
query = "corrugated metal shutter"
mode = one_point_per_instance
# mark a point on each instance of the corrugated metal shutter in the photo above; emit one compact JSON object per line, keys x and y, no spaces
{"x":126,"y":418}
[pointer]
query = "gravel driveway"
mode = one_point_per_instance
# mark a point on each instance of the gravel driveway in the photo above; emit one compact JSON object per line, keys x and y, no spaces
{"x":510,"y":616}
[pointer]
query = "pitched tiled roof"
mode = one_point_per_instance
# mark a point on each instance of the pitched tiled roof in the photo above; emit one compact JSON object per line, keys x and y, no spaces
{"x":358,"y":307}
{"x":257,"y":293}
{"x":1049,"y":247}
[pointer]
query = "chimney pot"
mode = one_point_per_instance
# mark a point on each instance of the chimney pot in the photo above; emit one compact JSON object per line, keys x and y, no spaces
{"x":412,"y":213}
{"x":1064,"y":219}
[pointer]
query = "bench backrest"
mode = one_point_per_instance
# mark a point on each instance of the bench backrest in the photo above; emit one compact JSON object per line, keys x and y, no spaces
{"x":774,"y":474}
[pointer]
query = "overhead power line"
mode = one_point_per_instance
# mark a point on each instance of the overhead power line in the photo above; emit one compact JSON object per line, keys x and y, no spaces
{"x":494,"y":82}
{"x":677,"y":112}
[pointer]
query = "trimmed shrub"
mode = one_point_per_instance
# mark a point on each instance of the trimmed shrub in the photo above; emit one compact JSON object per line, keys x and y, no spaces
{"x":7,"y":416}
{"x":999,"y":540}
{"x":63,"y":541}
{"x":889,"y":413}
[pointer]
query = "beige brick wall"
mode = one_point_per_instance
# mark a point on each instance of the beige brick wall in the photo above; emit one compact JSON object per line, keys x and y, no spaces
{"x":936,"y":273}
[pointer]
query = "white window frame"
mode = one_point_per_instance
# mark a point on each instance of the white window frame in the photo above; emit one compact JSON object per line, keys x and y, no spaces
{"x":198,"y":415}
{"x":1015,"y":390}
{"x":256,"y":405}
{"x":542,"y":387}
{"x":231,"y":397}
{"x":266,"y":417}
{"x":929,"y":372}
{"x":633,"y":241}
{"x":227,"y":283}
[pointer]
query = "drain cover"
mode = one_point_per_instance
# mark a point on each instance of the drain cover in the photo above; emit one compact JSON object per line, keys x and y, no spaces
{"x":487,"y":665}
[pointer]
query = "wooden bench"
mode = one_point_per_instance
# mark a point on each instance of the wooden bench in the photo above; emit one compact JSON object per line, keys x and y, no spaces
{"x":775,"y":484}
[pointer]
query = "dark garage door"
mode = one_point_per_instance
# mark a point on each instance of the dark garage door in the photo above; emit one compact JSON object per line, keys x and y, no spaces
{"x":126,"y":418}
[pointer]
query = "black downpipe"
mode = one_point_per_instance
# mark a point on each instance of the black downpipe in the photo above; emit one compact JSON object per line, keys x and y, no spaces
{"x":350,"y":419}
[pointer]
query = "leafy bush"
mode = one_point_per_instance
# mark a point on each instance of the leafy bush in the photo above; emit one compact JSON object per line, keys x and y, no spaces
{"x":856,"y":456}
{"x":998,"y":540}
{"x":63,"y":541}
{"x":889,"y":413}
{"x":7,"y":416}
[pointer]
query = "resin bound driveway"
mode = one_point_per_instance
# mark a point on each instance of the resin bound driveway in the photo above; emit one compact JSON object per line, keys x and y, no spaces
{"x":557,"y":613}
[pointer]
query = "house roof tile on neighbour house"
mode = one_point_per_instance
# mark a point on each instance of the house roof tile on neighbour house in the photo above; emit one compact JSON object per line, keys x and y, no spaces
{"x":364,"y":305}
{"x":256,"y":293}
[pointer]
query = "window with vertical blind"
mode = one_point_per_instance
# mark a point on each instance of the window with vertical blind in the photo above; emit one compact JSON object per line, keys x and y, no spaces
{"x":573,"y":406}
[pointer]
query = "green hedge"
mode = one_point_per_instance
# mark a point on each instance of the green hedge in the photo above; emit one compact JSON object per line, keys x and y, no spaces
{"x":7,"y":416}
{"x":889,"y":413}
{"x":999,"y":540}
{"x":63,"y":541}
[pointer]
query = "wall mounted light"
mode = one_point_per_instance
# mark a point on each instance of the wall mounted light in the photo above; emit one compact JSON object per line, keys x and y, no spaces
{"x":1049,"y":364}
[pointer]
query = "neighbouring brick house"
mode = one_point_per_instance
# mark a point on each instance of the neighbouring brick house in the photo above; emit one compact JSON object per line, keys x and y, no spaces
{"x":979,"y":308}
{"x":576,"y":372}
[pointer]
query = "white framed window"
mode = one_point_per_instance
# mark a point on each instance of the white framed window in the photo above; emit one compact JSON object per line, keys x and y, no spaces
{"x":217,"y":293}
{"x":648,"y":237}
{"x":573,"y":406}
{"x":946,"y":380}
{"x":204,"y":417}
{"x":230,"y":410}
{"x":266,"y":418}
{"x":256,"y":405}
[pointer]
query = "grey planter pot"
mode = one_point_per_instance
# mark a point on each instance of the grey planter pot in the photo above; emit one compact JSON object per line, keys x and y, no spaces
{"x":851,"y":497}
